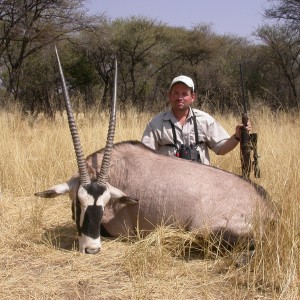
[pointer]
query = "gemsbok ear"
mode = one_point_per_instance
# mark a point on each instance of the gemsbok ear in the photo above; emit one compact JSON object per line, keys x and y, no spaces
{"x":57,"y":190}
{"x":119,"y":196}
{"x":127,"y":200}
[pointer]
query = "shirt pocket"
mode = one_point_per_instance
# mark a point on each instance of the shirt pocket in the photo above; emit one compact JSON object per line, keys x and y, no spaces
{"x":167,"y":137}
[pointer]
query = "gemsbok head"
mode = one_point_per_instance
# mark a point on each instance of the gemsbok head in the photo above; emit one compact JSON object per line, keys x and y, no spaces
{"x":92,"y":196}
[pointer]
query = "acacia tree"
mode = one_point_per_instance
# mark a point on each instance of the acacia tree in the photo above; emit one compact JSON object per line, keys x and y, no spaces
{"x":29,"y":25}
{"x":98,"y":50}
{"x":284,"y":51}
{"x":283,"y":42}
{"x":194,"y":46}
{"x":140,"y":46}
{"x":285,"y":10}
{"x":138,"y":43}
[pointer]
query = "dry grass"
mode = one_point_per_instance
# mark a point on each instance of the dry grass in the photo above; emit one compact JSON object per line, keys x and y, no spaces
{"x":38,"y":245}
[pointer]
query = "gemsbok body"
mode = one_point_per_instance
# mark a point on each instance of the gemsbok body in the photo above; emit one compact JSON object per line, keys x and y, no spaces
{"x":128,"y":187}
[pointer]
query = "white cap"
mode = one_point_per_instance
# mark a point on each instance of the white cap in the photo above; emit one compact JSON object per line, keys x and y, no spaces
{"x":184,"y":79}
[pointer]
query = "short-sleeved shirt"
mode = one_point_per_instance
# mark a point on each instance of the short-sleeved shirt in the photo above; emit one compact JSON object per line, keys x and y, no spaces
{"x":158,"y":134}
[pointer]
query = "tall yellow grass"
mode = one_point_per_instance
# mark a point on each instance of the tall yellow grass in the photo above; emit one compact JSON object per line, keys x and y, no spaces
{"x":38,"y":246}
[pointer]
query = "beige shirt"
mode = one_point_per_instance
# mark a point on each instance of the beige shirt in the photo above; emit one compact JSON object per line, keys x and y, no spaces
{"x":158,"y":134}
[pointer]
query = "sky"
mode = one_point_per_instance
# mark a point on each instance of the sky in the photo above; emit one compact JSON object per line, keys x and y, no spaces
{"x":236,"y":17}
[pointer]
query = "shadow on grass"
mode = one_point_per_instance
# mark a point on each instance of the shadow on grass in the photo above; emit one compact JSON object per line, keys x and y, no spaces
{"x":62,"y":237}
{"x":181,"y":245}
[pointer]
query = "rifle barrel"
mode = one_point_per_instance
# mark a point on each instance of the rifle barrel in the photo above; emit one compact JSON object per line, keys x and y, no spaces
{"x":243,"y":89}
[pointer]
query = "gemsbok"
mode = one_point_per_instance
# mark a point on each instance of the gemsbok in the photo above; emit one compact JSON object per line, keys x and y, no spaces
{"x":128,"y":187}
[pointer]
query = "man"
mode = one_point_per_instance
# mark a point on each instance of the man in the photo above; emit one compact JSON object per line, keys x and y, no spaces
{"x":187,"y":132}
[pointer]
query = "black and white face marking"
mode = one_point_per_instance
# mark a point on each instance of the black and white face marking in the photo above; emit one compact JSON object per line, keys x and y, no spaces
{"x":90,"y":203}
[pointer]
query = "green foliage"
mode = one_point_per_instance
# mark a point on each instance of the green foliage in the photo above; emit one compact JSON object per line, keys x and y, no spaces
{"x":149,"y":55}
{"x":81,"y":72}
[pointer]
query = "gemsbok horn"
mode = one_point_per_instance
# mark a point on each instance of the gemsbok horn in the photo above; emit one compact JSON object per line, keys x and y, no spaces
{"x":92,"y":196}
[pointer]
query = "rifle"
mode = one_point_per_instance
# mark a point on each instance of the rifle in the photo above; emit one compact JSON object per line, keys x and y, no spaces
{"x":248,"y":141}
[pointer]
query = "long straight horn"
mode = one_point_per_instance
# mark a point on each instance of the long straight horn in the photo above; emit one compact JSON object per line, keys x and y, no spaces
{"x":83,"y":172}
{"x":102,"y":177}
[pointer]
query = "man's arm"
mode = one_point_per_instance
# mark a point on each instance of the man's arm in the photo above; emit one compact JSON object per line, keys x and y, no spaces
{"x":234,"y":140}
{"x":148,"y":138}
{"x":228,"y":145}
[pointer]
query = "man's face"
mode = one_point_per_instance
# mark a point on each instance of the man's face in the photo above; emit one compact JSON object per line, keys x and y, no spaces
{"x":181,"y":97}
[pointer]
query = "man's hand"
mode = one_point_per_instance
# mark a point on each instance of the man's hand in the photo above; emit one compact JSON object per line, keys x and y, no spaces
{"x":239,"y":127}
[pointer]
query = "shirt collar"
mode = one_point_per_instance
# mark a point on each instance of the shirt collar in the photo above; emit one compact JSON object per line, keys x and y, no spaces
{"x":170,"y":116}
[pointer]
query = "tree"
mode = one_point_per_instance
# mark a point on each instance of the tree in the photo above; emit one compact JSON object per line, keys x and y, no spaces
{"x":139,"y":43}
{"x":38,"y":92}
{"x":29,"y":25}
{"x":286,"y":10}
{"x":195,"y":46}
{"x":98,"y":49}
{"x":284,"y":50}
